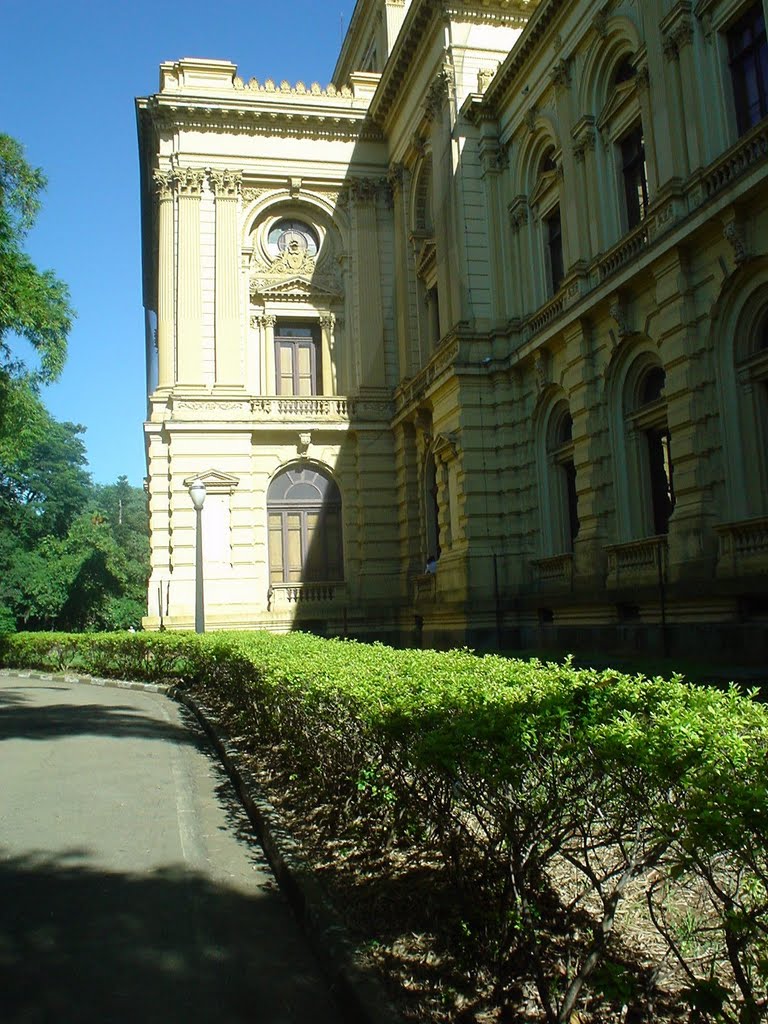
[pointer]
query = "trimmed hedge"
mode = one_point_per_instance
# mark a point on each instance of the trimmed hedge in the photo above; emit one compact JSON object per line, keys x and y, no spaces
{"x":551,"y":793}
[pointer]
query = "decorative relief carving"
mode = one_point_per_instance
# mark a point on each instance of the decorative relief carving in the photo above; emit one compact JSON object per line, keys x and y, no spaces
{"x":438,"y":92}
{"x":226,"y":184}
{"x":530,"y":119}
{"x":189,"y":181}
{"x":518,"y":212}
{"x":294,"y":187}
{"x":734,"y":235}
{"x":305,"y":439}
{"x":617,"y":310}
{"x":328,"y":322}
{"x":485,"y":77}
{"x":163,"y":184}
{"x":396,"y":176}
{"x":251,"y":194}
{"x":561,"y":74}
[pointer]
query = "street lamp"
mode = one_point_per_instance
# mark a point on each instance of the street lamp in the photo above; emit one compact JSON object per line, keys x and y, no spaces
{"x":197,"y":494}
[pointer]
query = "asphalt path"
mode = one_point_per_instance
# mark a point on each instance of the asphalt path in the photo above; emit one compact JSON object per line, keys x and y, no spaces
{"x":131,"y":887}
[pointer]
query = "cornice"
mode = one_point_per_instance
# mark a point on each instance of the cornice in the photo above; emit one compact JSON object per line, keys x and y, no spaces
{"x":415,"y":33}
{"x":528,"y":44}
{"x":319,"y":121}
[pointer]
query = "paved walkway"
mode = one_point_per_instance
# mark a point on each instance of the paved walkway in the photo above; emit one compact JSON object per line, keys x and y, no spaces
{"x":131,"y":889}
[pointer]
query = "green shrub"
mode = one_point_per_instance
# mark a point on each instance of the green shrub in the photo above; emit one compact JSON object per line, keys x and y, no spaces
{"x":549,"y":792}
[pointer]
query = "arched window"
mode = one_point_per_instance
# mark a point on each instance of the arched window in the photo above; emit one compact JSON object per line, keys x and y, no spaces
{"x":288,"y":234}
{"x":544,"y":199}
{"x":620,"y":122}
{"x":647,"y":422}
{"x":423,"y":238}
{"x":305,"y":533}
{"x":563,"y":502}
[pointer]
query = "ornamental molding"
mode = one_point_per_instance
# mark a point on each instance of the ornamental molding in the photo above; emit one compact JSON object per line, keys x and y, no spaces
{"x":270,"y":87}
{"x":396,"y":177}
{"x":189,"y":181}
{"x":619,"y":313}
{"x":735,"y":235}
{"x":294,"y":120}
{"x":226,"y":184}
{"x":368,"y":190}
{"x":518,"y":212}
{"x":163,"y":184}
{"x":438,"y":92}
{"x":445,"y":447}
{"x":560,"y":74}
{"x":215,"y":481}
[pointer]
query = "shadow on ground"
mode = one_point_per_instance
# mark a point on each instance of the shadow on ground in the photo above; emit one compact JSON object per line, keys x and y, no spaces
{"x":83,"y":945}
{"x":57,"y":721}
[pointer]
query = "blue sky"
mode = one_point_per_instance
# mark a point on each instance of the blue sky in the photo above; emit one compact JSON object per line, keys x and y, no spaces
{"x":68,"y":78}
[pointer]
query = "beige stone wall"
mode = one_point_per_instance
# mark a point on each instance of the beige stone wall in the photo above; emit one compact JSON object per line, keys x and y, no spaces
{"x":452,"y":353}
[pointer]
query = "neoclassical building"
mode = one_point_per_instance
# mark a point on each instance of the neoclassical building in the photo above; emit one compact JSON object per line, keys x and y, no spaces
{"x":496,"y":297}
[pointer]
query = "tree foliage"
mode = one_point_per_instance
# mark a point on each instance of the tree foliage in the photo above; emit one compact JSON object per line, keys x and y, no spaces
{"x":73,"y":555}
{"x":34,"y":304}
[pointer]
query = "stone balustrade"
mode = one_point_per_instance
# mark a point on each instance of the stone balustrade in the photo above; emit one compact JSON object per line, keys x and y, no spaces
{"x":743,"y":547}
{"x":638,"y":561}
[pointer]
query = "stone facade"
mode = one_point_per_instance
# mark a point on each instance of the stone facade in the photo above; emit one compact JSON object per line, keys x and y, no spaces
{"x":498,"y":294}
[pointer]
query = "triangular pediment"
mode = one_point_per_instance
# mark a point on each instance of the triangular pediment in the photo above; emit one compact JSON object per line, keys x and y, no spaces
{"x":293,"y":288}
{"x":215,"y":481}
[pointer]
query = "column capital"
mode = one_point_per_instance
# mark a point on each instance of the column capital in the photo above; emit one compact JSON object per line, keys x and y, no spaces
{"x":163,"y":182}
{"x":226,"y":184}
{"x":327,"y":321}
{"x":189,"y":181}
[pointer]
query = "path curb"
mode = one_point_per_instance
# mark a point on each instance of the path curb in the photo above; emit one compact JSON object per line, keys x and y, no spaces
{"x":360,"y":996}
{"x":71,"y":677}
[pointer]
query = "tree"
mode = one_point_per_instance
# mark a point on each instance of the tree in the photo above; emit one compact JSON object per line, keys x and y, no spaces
{"x":34,"y":304}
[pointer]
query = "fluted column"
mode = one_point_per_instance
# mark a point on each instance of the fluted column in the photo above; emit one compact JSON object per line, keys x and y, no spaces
{"x":165,"y":277}
{"x":226,"y":186}
{"x":327,"y":324}
{"x":269,"y":386}
{"x":189,"y":284}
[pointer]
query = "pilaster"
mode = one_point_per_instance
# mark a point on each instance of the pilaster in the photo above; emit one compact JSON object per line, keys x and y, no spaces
{"x":188,"y":282}
{"x":227,"y":186}
{"x":165,"y":279}
{"x":370,"y":334}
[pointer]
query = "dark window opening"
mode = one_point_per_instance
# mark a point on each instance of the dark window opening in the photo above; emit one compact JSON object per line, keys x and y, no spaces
{"x":625,"y":72}
{"x":433,"y":312}
{"x":652,"y":385}
{"x":661,"y":481}
{"x":569,"y":471}
{"x":554,"y":230}
{"x":748,"y":60}
{"x":635,"y":177}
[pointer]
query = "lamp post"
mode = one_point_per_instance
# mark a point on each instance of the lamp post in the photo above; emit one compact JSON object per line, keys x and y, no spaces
{"x":197,"y":494}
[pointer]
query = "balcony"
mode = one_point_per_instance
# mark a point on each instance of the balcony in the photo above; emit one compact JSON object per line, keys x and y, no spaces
{"x":742,"y":547}
{"x":554,"y":572}
{"x":312,"y":410}
{"x":289,"y":597}
{"x":638,"y":562}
